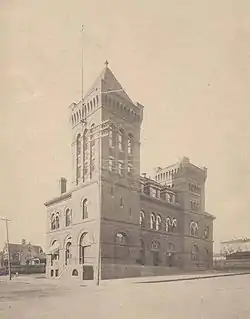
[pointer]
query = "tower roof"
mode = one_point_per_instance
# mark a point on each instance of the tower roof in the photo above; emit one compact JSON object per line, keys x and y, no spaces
{"x":106,"y":82}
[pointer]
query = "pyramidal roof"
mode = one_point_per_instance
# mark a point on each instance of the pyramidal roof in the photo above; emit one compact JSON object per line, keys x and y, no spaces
{"x":107,"y":82}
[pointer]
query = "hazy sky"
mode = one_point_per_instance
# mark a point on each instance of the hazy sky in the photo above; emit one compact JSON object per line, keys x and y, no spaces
{"x":188,"y":62}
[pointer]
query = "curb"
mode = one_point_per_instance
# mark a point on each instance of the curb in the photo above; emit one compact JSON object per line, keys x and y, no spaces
{"x":192,"y":278}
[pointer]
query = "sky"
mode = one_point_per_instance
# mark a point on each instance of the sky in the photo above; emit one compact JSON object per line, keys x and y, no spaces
{"x":187,"y":62}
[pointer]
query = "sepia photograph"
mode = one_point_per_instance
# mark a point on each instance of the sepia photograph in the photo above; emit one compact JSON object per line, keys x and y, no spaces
{"x":125,"y":160}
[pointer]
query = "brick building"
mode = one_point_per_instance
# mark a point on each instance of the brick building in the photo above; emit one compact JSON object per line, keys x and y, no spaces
{"x":23,"y":254}
{"x":113,"y":222}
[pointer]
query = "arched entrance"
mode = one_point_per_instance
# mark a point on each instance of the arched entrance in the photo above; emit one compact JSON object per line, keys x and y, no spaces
{"x":85,"y":257}
{"x":170,"y":256}
{"x":155,"y":251}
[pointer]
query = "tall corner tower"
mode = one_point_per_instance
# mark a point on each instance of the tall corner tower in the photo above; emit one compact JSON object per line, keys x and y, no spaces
{"x":106,"y":161}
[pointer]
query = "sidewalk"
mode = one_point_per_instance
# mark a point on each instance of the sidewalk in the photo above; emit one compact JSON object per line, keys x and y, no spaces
{"x":29,"y":279}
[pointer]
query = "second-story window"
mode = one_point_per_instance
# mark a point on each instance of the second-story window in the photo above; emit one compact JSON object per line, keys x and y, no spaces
{"x":142,"y":219}
{"x":57,"y":221}
{"x":68,"y":217}
{"x":158,"y":222}
{"x":152,"y":221}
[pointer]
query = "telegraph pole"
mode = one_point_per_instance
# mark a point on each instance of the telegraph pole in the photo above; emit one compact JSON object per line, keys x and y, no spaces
{"x":8,"y":246}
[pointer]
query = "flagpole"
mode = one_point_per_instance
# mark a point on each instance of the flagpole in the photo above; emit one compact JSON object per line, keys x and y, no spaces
{"x":82,"y":34}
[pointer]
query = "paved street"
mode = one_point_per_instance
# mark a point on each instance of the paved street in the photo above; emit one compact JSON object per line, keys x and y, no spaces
{"x":216,"y":298}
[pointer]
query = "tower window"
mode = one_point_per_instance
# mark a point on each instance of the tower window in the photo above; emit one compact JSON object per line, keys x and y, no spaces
{"x":121,"y":140}
{"x":130,"y":144}
{"x":92,"y":151}
{"x":112,"y":137}
{"x":84,"y":208}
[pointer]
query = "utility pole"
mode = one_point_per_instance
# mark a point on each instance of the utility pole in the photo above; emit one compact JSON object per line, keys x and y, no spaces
{"x":8,"y":246}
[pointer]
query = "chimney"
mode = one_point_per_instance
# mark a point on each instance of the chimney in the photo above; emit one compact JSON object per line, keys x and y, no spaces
{"x":63,"y":185}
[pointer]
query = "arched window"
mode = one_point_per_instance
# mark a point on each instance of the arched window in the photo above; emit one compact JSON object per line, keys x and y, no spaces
{"x":158,"y":222}
{"x":142,"y":219}
{"x":206,"y":232}
{"x":68,"y":254}
{"x":168,"y":225}
{"x":85,"y":155}
{"x":57,"y":221}
{"x":84,"y":248}
{"x":68,"y":217}
{"x":194,"y":228}
{"x":155,"y":245}
{"x":121,"y":238}
{"x":54,"y":251}
{"x":112,"y":136}
{"x":92,"y":151}
{"x":53,"y":222}
{"x":130,"y":144}
{"x":174,"y":224}
{"x":121,"y":248}
{"x":78,"y":158}
{"x":121,"y":140}
{"x":152,"y":221}
{"x":74,"y":273}
{"x":196,"y":232}
{"x":130,"y":167}
{"x":85,"y":208}
{"x":121,"y":168}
